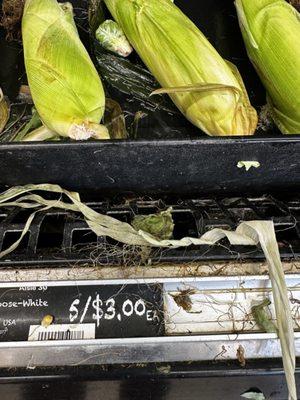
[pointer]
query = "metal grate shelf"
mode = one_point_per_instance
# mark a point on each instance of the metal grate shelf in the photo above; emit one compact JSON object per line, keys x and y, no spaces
{"x":58,"y":237}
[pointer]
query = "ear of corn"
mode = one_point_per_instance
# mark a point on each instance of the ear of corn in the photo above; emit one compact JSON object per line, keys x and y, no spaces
{"x":271,"y":31}
{"x":207,"y":89}
{"x":64,"y":83}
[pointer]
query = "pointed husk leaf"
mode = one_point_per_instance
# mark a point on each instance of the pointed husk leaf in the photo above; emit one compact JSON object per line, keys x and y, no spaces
{"x":65,"y":86}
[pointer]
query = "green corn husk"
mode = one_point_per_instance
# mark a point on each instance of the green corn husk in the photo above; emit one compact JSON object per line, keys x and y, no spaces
{"x":271,"y":31}
{"x":113,"y":39}
{"x":207,"y":89}
{"x":160,"y":225}
{"x":65,"y":86}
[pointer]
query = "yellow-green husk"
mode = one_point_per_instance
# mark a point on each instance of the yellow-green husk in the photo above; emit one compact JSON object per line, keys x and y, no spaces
{"x":4,"y":111}
{"x":65,"y":86}
{"x":207,"y":89}
{"x":271,"y":32}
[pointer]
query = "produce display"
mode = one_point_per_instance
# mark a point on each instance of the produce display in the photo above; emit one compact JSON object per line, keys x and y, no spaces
{"x":143,"y":64}
{"x":172,"y":57}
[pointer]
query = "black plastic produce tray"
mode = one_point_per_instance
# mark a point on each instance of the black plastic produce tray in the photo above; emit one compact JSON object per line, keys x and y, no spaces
{"x":183,"y":161}
{"x":188,"y":166}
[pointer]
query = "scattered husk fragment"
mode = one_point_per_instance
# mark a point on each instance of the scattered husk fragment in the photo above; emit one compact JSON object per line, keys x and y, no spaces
{"x":114,"y":120}
{"x":34,"y":123}
{"x":41,"y":134}
{"x":247,"y":233}
{"x":18,"y":119}
{"x":262,"y":318}
{"x":183,"y":299}
{"x":138,"y":116}
{"x":240,"y":354}
{"x":253,"y":394}
{"x":4,"y":111}
{"x":24,"y":95}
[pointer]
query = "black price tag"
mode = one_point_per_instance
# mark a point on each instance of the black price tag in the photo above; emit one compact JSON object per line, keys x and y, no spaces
{"x":87,"y":311}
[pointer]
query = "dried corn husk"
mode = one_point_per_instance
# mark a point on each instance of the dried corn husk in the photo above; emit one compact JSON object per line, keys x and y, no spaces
{"x":113,"y":39}
{"x":207,"y":89}
{"x":262,"y":318}
{"x":65,"y":86}
{"x":271,"y":31}
{"x":4,"y":111}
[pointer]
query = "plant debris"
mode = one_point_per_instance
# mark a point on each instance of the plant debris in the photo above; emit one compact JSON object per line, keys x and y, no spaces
{"x":248,"y":164}
{"x":34,"y":123}
{"x":265,"y":121}
{"x":12,"y":11}
{"x":240,"y":354}
{"x":160,"y":225}
{"x":4,"y":111}
{"x":114,"y":120}
{"x":262,"y":318}
{"x":253,"y":394}
{"x":184,"y":300}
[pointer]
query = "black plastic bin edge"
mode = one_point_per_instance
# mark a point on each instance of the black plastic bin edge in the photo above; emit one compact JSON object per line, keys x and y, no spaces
{"x":202,"y":166}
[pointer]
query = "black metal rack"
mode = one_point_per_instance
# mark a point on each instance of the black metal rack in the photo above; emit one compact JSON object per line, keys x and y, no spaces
{"x":58,"y":237}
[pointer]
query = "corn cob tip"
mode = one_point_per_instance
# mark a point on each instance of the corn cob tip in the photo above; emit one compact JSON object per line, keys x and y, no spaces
{"x":88,"y":131}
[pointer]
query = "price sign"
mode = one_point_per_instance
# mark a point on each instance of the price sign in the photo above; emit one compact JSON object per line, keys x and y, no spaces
{"x":71,"y":312}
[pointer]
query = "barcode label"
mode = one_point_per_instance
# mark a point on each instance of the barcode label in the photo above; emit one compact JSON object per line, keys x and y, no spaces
{"x":80,"y":311}
{"x":62,"y":332}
